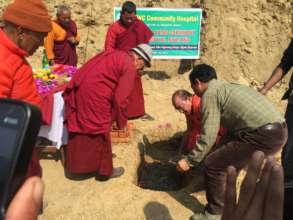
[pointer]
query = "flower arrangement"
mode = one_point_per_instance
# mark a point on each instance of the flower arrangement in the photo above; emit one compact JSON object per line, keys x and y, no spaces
{"x":51,"y":77}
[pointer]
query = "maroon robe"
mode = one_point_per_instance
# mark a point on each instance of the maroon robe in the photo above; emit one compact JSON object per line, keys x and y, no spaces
{"x":34,"y":168}
{"x":96,"y":95}
{"x":65,"y":51}
{"x":125,"y":38}
{"x":88,"y":153}
{"x":48,"y":102}
{"x":122,"y":38}
{"x":135,"y":107}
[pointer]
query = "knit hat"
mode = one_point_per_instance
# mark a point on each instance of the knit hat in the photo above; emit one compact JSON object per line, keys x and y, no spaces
{"x":145,"y":51}
{"x":30,"y":14}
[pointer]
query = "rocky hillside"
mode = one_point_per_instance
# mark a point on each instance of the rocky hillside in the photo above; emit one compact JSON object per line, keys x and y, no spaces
{"x":240,"y":38}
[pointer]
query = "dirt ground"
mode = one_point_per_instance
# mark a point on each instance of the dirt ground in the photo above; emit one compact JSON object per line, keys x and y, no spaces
{"x":243,"y":40}
{"x":121,"y":198}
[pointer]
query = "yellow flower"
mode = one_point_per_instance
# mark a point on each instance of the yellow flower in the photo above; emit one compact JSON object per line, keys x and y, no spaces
{"x":52,"y":76}
{"x":45,"y":78}
{"x":39,"y":75}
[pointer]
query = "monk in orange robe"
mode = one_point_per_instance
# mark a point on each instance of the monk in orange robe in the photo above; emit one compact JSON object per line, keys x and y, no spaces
{"x":124,"y":34}
{"x":96,"y":96}
{"x":189,"y":104}
{"x":60,"y":44}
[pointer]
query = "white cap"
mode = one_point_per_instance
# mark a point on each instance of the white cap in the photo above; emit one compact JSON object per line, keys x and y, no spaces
{"x":145,"y":51}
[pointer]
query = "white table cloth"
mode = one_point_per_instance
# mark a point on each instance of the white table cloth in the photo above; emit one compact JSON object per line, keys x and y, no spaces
{"x":56,"y":133}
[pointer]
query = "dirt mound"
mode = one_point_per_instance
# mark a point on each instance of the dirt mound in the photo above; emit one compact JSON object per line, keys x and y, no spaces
{"x":246,"y":38}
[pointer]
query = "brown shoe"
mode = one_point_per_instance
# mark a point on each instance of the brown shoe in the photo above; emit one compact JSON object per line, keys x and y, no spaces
{"x":117,"y":172}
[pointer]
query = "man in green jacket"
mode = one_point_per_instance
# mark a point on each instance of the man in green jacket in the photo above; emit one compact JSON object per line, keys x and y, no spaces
{"x":252,"y":122}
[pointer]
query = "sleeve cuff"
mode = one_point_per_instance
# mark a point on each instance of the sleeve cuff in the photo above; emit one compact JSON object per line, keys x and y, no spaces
{"x":193,"y":158}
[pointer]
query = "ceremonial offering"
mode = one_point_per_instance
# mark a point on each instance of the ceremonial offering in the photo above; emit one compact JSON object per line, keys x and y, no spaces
{"x":50,"y":77}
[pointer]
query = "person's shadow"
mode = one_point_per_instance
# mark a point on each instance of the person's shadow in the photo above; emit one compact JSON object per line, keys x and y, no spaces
{"x":187,"y":200}
{"x":157,"y":75}
{"x":156,"y":211}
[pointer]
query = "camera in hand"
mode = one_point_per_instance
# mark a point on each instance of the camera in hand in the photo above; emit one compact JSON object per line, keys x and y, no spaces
{"x":19,"y":126}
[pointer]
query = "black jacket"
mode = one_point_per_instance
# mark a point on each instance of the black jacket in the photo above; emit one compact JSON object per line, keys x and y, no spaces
{"x":286,"y":64}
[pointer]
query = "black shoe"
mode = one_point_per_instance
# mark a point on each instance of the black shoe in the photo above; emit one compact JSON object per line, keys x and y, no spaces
{"x":79,"y":177}
{"x":117,"y":172}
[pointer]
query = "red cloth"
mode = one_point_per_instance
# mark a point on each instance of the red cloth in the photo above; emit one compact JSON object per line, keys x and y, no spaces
{"x":65,"y":52}
{"x":193,"y":126}
{"x":98,"y":93}
{"x":34,"y":168}
{"x":87,"y":153}
{"x":48,"y":101}
{"x":122,"y":38}
{"x":16,"y":77}
{"x":135,"y":107}
{"x":17,"y":82}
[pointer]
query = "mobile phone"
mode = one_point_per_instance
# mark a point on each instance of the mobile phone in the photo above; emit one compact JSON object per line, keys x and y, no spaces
{"x":19,"y":126}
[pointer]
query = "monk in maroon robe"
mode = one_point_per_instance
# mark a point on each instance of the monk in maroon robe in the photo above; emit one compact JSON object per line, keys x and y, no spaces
{"x":96,"y":96}
{"x":124,"y":34}
{"x":61,"y":42}
{"x":65,"y":51}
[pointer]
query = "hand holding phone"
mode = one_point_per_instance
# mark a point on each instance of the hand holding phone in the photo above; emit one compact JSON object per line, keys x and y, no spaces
{"x":19,"y":126}
{"x":27,"y":203}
